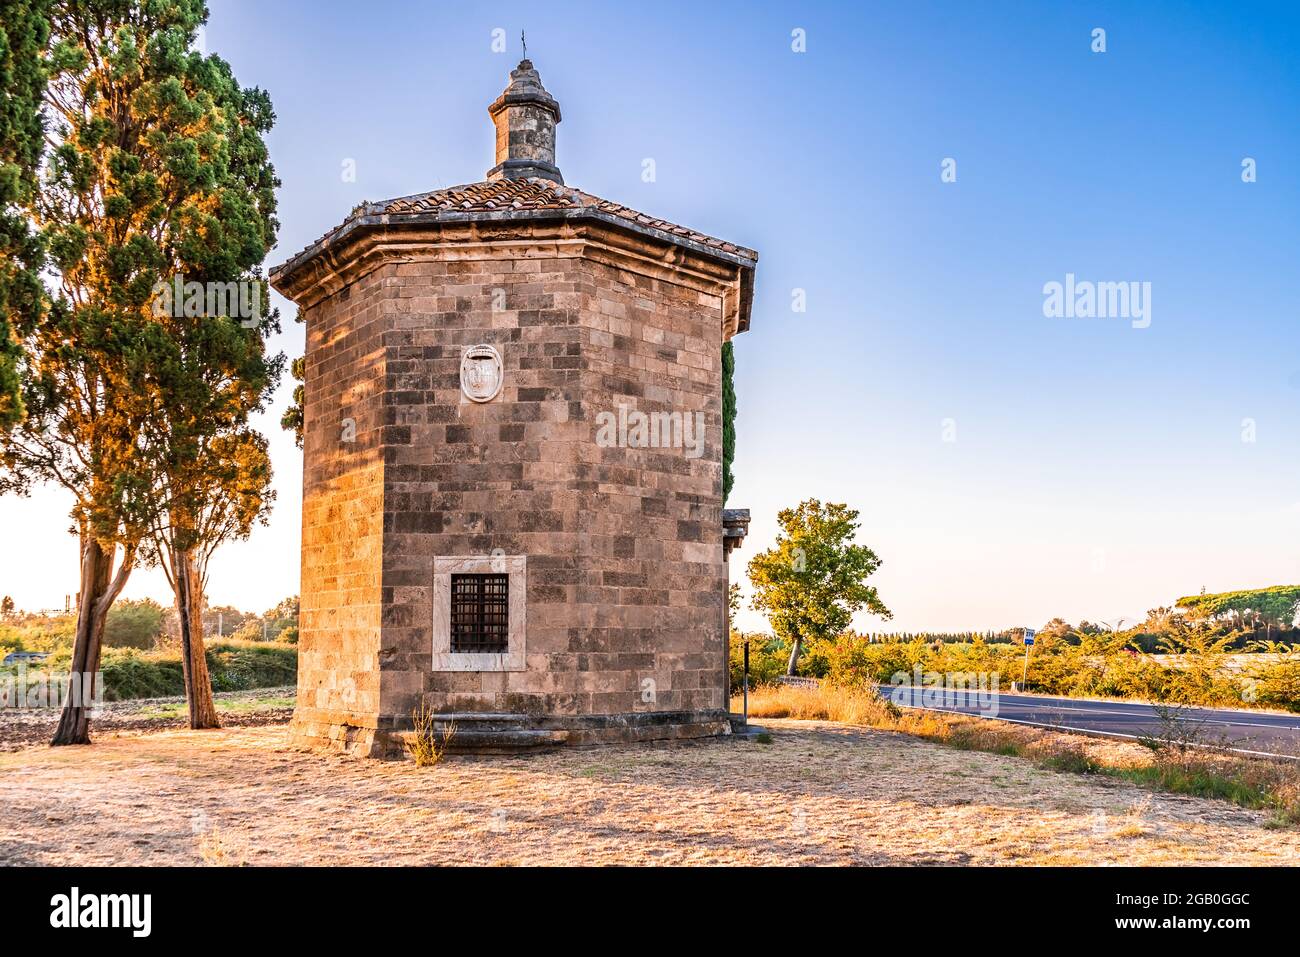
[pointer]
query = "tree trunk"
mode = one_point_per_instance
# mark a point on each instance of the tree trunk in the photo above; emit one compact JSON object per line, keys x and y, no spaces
{"x":796,"y":649}
{"x":194,"y":662}
{"x":98,"y":590}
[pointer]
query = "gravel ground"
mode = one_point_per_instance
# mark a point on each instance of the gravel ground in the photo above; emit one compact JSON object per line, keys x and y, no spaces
{"x":25,"y":729}
{"x":818,"y":794}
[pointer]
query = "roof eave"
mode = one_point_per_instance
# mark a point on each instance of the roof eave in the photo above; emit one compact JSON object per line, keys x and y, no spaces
{"x":745,"y":260}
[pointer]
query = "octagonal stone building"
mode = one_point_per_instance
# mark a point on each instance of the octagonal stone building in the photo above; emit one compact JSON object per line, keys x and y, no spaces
{"x":512,"y":489}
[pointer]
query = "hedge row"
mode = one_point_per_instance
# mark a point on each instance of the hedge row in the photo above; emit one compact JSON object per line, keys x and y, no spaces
{"x":233,"y":665}
{"x":1100,"y":667}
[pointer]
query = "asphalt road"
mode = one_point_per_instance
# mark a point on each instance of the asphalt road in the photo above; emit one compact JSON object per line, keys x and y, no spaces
{"x":1255,"y":731}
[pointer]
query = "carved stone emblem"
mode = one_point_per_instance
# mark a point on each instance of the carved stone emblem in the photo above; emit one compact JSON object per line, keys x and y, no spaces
{"x":480,"y":373}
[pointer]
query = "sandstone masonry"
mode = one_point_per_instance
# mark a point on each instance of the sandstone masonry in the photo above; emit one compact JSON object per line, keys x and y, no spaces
{"x":613,"y":553}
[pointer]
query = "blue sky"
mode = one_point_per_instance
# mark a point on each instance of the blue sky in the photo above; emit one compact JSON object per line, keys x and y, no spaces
{"x":1098,"y":469}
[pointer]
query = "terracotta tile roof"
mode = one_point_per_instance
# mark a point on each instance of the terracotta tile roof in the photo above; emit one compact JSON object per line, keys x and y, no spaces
{"x":504,"y":197}
{"x":503,"y":194}
{"x":541,"y":194}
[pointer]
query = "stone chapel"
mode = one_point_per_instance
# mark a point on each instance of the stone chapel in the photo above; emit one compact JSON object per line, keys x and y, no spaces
{"x":512,"y":461}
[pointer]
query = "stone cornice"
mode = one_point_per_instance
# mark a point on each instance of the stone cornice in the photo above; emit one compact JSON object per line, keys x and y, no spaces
{"x":369,"y":241}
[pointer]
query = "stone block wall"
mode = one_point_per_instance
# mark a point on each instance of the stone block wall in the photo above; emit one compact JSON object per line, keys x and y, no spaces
{"x":342,"y":534}
{"x":626,"y":580}
{"x":468,"y":479}
{"x":657,"y":578}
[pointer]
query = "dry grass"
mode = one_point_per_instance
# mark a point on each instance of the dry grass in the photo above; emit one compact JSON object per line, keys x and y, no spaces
{"x":847,"y":706}
{"x":827,"y":703}
{"x":427,"y":745}
{"x":1250,"y":782}
{"x":818,"y":794}
{"x":212,"y":850}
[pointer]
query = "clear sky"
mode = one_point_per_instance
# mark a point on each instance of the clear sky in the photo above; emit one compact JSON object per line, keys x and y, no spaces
{"x":1097,"y":470}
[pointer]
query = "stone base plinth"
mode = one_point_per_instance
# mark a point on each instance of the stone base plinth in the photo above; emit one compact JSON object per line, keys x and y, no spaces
{"x":503,"y":733}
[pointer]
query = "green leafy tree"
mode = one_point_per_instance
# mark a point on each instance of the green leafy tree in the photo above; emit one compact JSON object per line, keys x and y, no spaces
{"x":286,"y":609}
{"x":225,"y":620}
{"x":133,"y":624}
{"x":813,"y":580}
{"x":214,"y":488}
{"x":1251,"y":609}
{"x":271,"y":624}
{"x":1056,"y":628}
{"x":209,"y":368}
{"x":155,"y":170}
{"x":84,"y":352}
{"x":24,"y":31}
{"x":292,"y":419}
{"x":282,"y":618}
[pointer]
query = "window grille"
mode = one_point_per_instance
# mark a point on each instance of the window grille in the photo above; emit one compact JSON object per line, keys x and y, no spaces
{"x":480,"y":614}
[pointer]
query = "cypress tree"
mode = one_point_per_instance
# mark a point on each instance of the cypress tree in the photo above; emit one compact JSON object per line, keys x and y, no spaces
{"x":24,"y":31}
{"x":728,"y":417}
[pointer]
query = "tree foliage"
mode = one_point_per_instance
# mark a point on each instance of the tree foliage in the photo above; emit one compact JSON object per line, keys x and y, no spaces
{"x":155,"y":169}
{"x":728,"y":417}
{"x":24,"y":31}
{"x":133,"y":624}
{"x":813,"y":580}
{"x":272,"y":624}
{"x":1274,"y":607}
{"x":292,"y":420}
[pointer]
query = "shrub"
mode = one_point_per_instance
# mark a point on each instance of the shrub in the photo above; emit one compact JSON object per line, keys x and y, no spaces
{"x":767,"y":659}
{"x":133,"y":624}
{"x":1277,"y":682}
{"x":250,"y":630}
{"x":1071,"y":758}
{"x":1250,"y":782}
{"x":238,"y":666}
{"x":852,"y":661}
{"x":1195,"y":669}
{"x":233,"y":666}
{"x":131,"y":674}
{"x":38,"y":633}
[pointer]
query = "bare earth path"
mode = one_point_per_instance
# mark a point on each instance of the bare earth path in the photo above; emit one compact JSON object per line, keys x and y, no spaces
{"x":819,"y":794}
{"x":21,"y":728}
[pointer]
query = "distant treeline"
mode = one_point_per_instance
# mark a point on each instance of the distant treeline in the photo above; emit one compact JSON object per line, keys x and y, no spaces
{"x":1249,"y":615}
{"x":145,"y":625}
{"x":1006,"y":637}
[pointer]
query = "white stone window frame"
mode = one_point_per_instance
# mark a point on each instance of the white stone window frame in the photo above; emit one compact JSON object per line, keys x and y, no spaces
{"x":516,"y":568}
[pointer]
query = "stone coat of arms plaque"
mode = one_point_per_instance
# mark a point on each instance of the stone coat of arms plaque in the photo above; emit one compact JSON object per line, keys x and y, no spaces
{"x":480,"y":373}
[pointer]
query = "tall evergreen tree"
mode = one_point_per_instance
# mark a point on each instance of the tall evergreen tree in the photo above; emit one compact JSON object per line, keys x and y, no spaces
{"x":156,"y":170}
{"x":210,"y":369}
{"x":24,"y":31}
{"x":728,"y":417}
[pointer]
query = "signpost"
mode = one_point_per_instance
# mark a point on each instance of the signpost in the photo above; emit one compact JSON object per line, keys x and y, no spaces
{"x":1029,"y":643}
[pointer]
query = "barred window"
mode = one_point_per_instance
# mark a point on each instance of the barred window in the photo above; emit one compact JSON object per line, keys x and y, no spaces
{"x":480,"y":614}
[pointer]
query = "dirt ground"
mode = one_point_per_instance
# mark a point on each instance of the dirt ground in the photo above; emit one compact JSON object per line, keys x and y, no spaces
{"x":818,"y":794}
{"x":26,"y":728}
